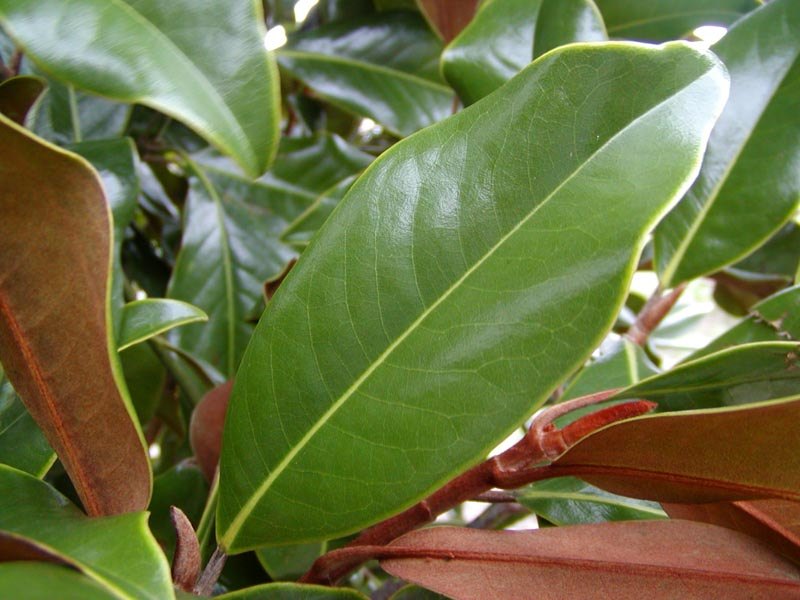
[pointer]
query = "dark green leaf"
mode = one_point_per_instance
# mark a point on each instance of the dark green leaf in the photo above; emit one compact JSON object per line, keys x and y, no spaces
{"x":385,"y":67}
{"x":661,"y":20}
{"x":506,"y":35}
{"x":39,"y":581}
{"x":143,"y":319}
{"x":289,"y":562}
{"x":752,"y":154}
{"x":145,"y":376}
{"x":779,"y":256}
{"x":292,"y":591}
{"x":158,"y":53}
{"x":22,"y":444}
{"x":441,"y":280}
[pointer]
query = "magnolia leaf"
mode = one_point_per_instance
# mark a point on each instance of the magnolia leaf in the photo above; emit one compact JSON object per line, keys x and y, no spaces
{"x":56,"y":300}
{"x":703,"y":456}
{"x":653,"y":559}
{"x":441,"y":281}
{"x":506,"y":35}
{"x":117,"y":552}
{"x":205,"y":428}
{"x":18,"y":95}
{"x":39,"y":580}
{"x":143,"y":319}
{"x":662,"y":20}
{"x":385,"y":67}
{"x":715,"y":224}
{"x":292,"y":591}
{"x":448,"y":17}
{"x":167,"y":63}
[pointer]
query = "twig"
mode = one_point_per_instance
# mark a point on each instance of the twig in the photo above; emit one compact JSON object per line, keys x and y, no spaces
{"x":653,"y":312}
{"x":495,"y":497}
{"x":210,"y":575}
{"x":525,"y":462}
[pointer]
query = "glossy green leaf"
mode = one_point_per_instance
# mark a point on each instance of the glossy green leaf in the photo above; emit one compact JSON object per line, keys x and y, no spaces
{"x":117,"y":552}
{"x":22,"y":444}
{"x":116,"y":162}
{"x":66,"y":369}
{"x":779,"y":256}
{"x":231,"y":240}
{"x":506,"y":35}
{"x":145,"y":376}
{"x":40,"y":581}
{"x":289,"y":562}
{"x":385,"y":67}
{"x":742,"y":453}
{"x":739,"y":375}
{"x":752,"y":154}
{"x":441,"y":280}
{"x":618,"y":362}
{"x":661,"y":20}
{"x":776,"y":318}
{"x":292,"y":591}
{"x":570,"y":501}
{"x":226,"y":90}
{"x":143,"y":319}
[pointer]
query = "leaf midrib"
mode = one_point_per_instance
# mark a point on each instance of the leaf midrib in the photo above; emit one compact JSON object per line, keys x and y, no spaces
{"x":232,"y":532}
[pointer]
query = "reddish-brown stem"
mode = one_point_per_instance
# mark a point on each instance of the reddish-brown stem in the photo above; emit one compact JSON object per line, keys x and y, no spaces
{"x":523,"y":463}
{"x":495,"y":497}
{"x":653,"y":312}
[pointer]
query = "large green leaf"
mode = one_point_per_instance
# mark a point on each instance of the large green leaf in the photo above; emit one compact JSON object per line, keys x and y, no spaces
{"x":117,"y":552}
{"x":661,"y":20}
{"x":383,"y":66}
{"x":740,"y":375}
{"x":506,"y":35}
{"x":742,"y":453}
{"x":56,"y":341}
{"x":37,"y":581}
{"x":467,"y":273}
{"x":231,"y":240}
{"x":570,"y":501}
{"x":292,"y":591}
{"x":160,"y":54}
{"x":22,"y":444}
{"x":752,"y":154}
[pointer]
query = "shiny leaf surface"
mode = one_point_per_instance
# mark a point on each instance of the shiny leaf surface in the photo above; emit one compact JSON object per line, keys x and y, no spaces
{"x":117,"y":552}
{"x":661,"y":20}
{"x":506,"y":35}
{"x":171,"y":67}
{"x":37,"y":581}
{"x":703,"y":456}
{"x":433,"y":281}
{"x":734,"y":376}
{"x":143,"y":319}
{"x":657,"y":559}
{"x":384,"y":67}
{"x":66,"y":216}
{"x":758,"y":133}
{"x":231,"y":238}
{"x":570,"y":501}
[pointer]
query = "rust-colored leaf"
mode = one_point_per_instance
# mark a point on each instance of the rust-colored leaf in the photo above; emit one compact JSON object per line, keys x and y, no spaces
{"x":775,"y":522}
{"x":448,"y":17}
{"x":745,"y":453}
{"x":186,"y":561}
{"x":15,"y":548}
{"x":205,"y":429}
{"x":626,"y":560}
{"x":55,"y":344}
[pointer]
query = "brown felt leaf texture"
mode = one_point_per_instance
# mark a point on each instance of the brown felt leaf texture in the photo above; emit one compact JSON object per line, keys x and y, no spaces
{"x":55,"y":244}
{"x":745,"y":453}
{"x":448,"y":17}
{"x":205,"y":428}
{"x":628,"y":560}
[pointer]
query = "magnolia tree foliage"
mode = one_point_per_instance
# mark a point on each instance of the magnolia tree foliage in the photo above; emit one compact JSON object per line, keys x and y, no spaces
{"x":278,"y":281}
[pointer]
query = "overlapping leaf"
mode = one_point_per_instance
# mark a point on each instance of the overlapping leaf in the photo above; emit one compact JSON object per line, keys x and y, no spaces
{"x":716,"y":224}
{"x":506,"y":35}
{"x":292,"y":591}
{"x":657,"y":559}
{"x":40,"y":580}
{"x":55,"y":301}
{"x":143,"y":319}
{"x":384,"y":67}
{"x":441,"y":282}
{"x":661,"y":20}
{"x":742,"y":453}
{"x":118,"y":552}
{"x":231,"y":240}
{"x":172,"y":66}
{"x":448,"y":17}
